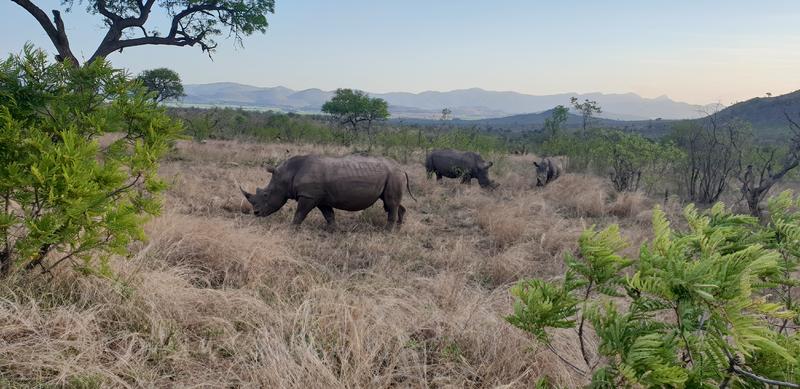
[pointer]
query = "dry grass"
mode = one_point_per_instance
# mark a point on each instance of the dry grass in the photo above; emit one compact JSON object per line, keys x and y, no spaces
{"x":219,"y":298}
{"x":578,"y":195}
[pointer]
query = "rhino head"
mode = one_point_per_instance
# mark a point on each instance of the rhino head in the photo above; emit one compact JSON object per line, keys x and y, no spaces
{"x":542,"y":170}
{"x":482,"y":174}
{"x":269,"y":200}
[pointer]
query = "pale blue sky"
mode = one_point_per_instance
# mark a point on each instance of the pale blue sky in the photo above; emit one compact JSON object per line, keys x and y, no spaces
{"x":695,"y":51}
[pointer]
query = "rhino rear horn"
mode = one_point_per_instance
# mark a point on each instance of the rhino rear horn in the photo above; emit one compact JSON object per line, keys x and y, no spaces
{"x":489,"y":164}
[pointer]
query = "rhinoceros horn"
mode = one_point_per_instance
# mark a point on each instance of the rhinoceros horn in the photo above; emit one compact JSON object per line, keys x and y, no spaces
{"x":270,"y":168}
{"x":246,"y":195}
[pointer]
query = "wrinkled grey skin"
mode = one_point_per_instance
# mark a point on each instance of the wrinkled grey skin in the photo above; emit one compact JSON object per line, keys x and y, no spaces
{"x":351,"y":183}
{"x":454,"y":164}
{"x":548,"y":170}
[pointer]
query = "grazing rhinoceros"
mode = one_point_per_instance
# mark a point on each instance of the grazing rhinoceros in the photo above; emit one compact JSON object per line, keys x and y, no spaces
{"x":454,"y":164}
{"x":351,"y":183}
{"x":549,"y":169}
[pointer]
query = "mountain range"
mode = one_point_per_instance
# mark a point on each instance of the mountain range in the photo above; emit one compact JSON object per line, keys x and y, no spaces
{"x":474,"y":103}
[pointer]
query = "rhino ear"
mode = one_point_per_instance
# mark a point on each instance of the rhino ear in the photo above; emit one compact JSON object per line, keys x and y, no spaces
{"x":270,"y":169}
{"x":535,"y":163}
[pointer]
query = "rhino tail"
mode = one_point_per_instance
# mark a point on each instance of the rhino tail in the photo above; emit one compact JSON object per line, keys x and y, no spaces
{"x":408,"y":187}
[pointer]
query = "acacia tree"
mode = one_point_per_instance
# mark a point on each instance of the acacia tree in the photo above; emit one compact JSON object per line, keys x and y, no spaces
{"x":447,"y":114}
{"x":553,"y":124}
{"x":163,"y":83}
{"x":588,"y":108}
{"x":711,"y":158}
{"x":352,"y":107}
{"x":759,"y":168}
{"x":192,"y":23}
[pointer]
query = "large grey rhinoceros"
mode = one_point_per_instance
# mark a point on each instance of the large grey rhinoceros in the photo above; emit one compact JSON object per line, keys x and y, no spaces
{"x":549,"y":169}
{"x":350,"y":183}
{"x":454,"y":164}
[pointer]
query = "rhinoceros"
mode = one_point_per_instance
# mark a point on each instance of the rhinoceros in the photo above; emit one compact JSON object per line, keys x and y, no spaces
{"x":350,"y":183}
{"x":454,"y":164}
{"x":548,"y":170}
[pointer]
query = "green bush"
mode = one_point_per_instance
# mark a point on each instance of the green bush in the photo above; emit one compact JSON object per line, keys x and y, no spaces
{"x":707,"y":307}
{"x":631,"y":161}
{"x":65,"y":197}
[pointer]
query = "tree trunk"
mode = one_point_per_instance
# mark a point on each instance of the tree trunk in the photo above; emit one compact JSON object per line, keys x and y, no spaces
{"x":5,"y":262}
{"x":753,"y":203}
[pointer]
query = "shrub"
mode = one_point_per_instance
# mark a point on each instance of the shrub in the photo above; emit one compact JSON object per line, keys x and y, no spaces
{"x":631,"y":161}
{"x":698,"y":308}
{"x":64,"y":197}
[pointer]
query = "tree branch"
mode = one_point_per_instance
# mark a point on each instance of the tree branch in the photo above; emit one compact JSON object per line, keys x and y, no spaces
{"x":55,"y":30}
{"x":738,"y":370}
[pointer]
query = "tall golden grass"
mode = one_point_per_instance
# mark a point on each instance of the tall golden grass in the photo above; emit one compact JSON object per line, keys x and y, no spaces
{"x":219,"y":298}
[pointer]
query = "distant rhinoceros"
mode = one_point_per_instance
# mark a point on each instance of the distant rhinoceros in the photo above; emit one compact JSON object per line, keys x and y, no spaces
{"x":454,"y":164}
{"x":549,"y":169}
{"x":350,"y":183}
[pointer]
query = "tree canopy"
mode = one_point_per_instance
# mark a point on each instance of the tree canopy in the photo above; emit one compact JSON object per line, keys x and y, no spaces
{"x":588,"y":108}
{"x":163,"y":83}
{"x":64,"y":197}
{"x":192,"y":23}
{"x":352,"y":107}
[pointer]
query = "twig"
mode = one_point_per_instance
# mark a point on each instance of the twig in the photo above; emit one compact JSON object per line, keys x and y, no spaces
{"x":580,"y":327}
{"x":576,"y":368}
{"x":764,"y":380}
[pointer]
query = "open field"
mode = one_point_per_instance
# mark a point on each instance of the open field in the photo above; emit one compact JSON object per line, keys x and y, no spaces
{"x":219,"y":298}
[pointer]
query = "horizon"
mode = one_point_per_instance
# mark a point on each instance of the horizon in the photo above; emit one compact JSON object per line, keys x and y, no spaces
{"x":717,"y":52}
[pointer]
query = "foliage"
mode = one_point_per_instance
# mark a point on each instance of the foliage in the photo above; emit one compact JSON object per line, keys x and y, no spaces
{"x":163,"y":83}
{"x":192,"y":22}
{"x":695,"y":309}
{"x":631,"y":161}
{"x":628,"y":156}
{"x":269,"y":126}
{"x":709,"y":156}
{"x":397,"y":141}
{"x":352,"y":107}
{"x":66,"y":197}
{"x":760,"y":166}
{"x":553,"y":124}
{"x":588,"y":108}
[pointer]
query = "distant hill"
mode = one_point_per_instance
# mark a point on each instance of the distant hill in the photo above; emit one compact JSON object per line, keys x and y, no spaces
{"x":535,"y":122}
{"x":472,"y":103}
{"x":765,"y":112}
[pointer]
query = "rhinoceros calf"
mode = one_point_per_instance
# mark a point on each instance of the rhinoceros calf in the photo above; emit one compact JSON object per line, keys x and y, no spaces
{"x":549,"y":169}
{"x":350,"y":183}
{"x":454,"y":164}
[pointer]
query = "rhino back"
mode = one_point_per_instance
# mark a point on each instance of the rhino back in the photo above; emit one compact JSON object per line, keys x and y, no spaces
{"x":350,"y":183}
{"x":452,"y":163}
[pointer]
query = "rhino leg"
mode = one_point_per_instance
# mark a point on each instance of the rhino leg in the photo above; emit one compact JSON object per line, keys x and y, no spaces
{"x":392,"y":213}
{"x":304,"y":206}
{"x":401,"y":213}
{"x":438,"y":177}
{"x":327,"y":213}
{"x":466,"y":179}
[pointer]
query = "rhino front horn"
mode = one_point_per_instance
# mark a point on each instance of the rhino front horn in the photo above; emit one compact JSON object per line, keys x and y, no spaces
{"x":270,"y":168}
{"x":246,"y":195}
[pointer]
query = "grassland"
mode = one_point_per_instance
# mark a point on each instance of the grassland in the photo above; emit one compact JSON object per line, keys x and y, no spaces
{"x":219,"y":298}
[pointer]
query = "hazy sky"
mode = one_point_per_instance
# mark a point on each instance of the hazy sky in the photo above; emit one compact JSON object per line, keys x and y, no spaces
{"x":698,"y":51}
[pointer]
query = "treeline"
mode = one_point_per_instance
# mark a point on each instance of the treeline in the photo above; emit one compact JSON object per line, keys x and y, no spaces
{"x":395,"y":140}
